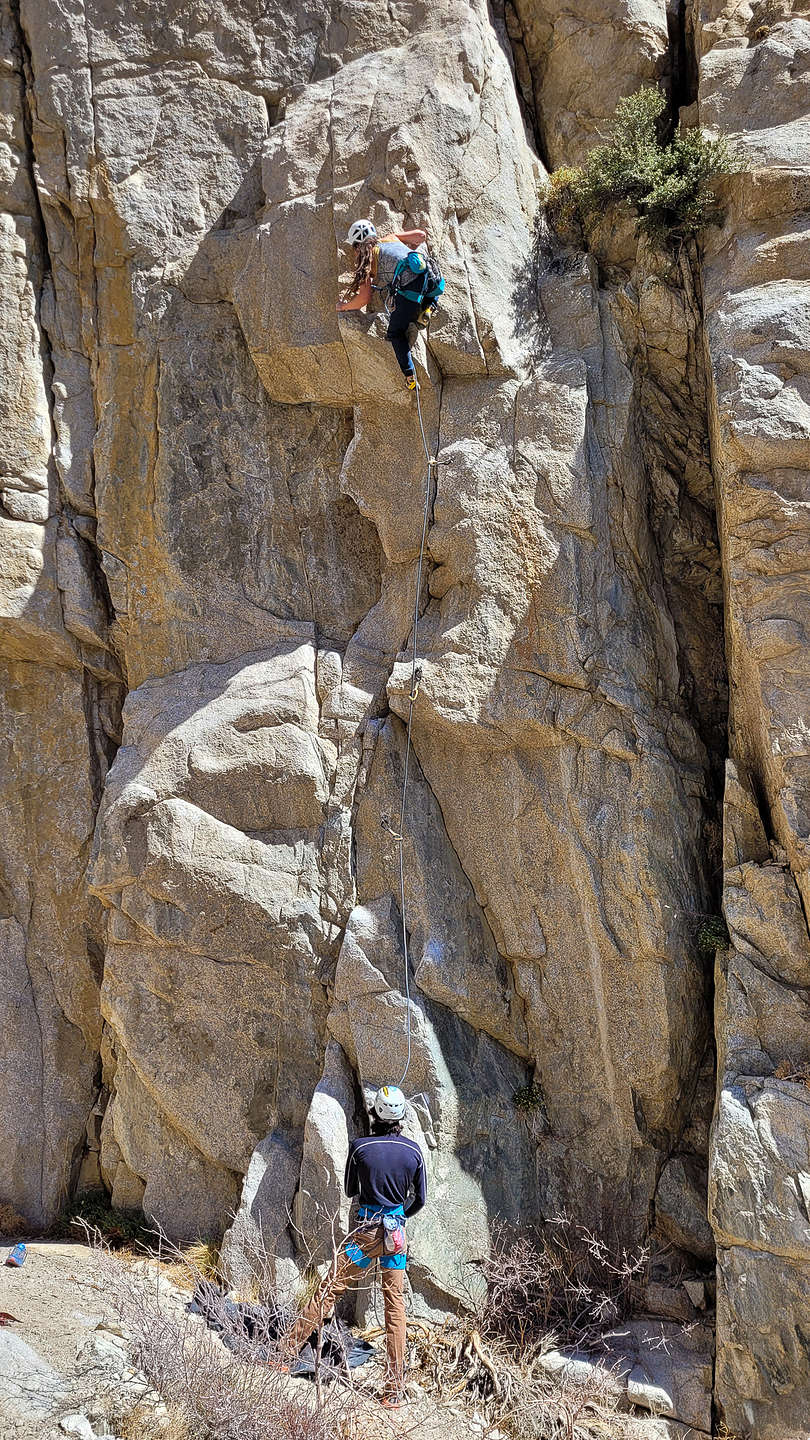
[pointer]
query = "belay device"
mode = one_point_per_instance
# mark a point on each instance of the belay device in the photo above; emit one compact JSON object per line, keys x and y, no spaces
{"x":417,"y":277}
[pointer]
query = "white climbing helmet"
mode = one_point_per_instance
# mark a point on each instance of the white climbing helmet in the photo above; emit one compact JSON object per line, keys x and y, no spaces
{"x":389,"y":1103}
{"x":361,"y":230}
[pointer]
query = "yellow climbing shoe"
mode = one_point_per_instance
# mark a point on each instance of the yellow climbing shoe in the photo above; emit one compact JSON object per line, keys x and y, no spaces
{"x":410,"y":381}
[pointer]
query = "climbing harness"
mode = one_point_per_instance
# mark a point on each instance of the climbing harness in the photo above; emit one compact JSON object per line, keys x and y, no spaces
{"x":416,"y":675}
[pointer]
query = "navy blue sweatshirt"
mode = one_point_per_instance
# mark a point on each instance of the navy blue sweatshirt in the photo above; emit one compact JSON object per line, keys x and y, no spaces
{"x":385,"y":1171}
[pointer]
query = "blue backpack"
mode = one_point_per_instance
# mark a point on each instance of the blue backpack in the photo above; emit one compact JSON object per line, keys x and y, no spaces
{"x":417,"y":277}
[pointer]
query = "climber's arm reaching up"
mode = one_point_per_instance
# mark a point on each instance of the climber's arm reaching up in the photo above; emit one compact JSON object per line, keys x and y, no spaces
{"x":359,"y":300}
{"x":413,"y":238}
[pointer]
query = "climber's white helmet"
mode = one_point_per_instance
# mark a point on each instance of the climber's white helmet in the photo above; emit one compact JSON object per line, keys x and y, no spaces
{"x":389,"y":1103}
{"x":361,"y":230}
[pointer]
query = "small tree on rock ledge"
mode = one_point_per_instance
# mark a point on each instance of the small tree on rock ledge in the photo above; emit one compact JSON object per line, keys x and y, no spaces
{"x":667,"y":186}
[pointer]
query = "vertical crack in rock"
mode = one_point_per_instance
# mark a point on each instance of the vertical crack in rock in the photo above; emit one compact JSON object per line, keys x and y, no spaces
{"x":27,"y":92}
{"x":40,"y":229}
{"x":85,"y":537}
{"x":510,"y":31}
{"x":41,"y":1040}
{"x":513,"y":969}
{"x":656,"y":306}
{"x":685,"y":62}
{"x":86,"y":610}
{"x":671,"y":407}
{"x":752,"y":65}
{"x":665,"y":356}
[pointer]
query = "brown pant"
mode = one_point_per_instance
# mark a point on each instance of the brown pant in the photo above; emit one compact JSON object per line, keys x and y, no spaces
{"x":344,"y":1274}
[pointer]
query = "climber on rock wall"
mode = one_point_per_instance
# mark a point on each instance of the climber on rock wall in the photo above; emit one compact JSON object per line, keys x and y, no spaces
{"x":385,"y":1171}
{"x":377,"y":262}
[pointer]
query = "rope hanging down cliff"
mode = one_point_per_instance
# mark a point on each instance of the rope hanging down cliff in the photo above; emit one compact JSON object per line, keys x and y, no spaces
{"x":400,"y":838}
{"x":413,"y":282}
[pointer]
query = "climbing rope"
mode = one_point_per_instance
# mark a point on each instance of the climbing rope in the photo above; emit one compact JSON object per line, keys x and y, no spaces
{"x":431,"y":461}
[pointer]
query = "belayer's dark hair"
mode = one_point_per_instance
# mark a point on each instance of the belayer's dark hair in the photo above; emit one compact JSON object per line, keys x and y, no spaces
{"x":364,"y":253}
{"x":385,"y":1127}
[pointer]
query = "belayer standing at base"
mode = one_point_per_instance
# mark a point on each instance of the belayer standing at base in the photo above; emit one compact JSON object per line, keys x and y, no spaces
{"x":395,"y":265}
{"x":386,"y":1172}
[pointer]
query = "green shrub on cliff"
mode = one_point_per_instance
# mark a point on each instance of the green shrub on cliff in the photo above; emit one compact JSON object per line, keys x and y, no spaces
{"x":118,"y":1229}
{"x":668,"y":186}
{"x":712,"y":935}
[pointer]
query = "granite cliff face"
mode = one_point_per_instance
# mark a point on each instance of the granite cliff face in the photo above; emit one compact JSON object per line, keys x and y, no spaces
{"x":211,"y":497}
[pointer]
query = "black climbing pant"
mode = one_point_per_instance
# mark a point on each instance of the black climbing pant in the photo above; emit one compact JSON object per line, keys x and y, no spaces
{"x":404,"y":313}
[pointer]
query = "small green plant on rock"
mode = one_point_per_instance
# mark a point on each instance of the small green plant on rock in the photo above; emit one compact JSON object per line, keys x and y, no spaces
{"x":667,"y":186}
{"x":562,"y":200}
{"x":528,"y":1098}
{"x":119,"y":1229}
{"x":712,"y":933}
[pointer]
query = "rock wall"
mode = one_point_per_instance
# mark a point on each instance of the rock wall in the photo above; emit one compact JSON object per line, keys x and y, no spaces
{"x":211,"y":502}
{"x":60,"y":707}
{"x":754,"y":86}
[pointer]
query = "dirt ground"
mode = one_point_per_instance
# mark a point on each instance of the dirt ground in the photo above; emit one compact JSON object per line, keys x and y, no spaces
{"x":58,"y":1298}
{"x":56,"y":1361}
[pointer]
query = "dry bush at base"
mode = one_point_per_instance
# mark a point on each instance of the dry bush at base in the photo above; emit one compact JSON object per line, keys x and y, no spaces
{"x":558,"y":1284}
{"x":568,"y":1410}
{"x":513,"y":1394}
{"x":141,"y":1424}
{"x":491,"y":1364}
{"x":11,"y":1223}
{"x":238,"y":1393}
{"x":194,"y":1262}
{"x":799,"y":1074}
{"x":204,"y":1257}
{"x":558,"y":1279}
{"x":219,"y":1394}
